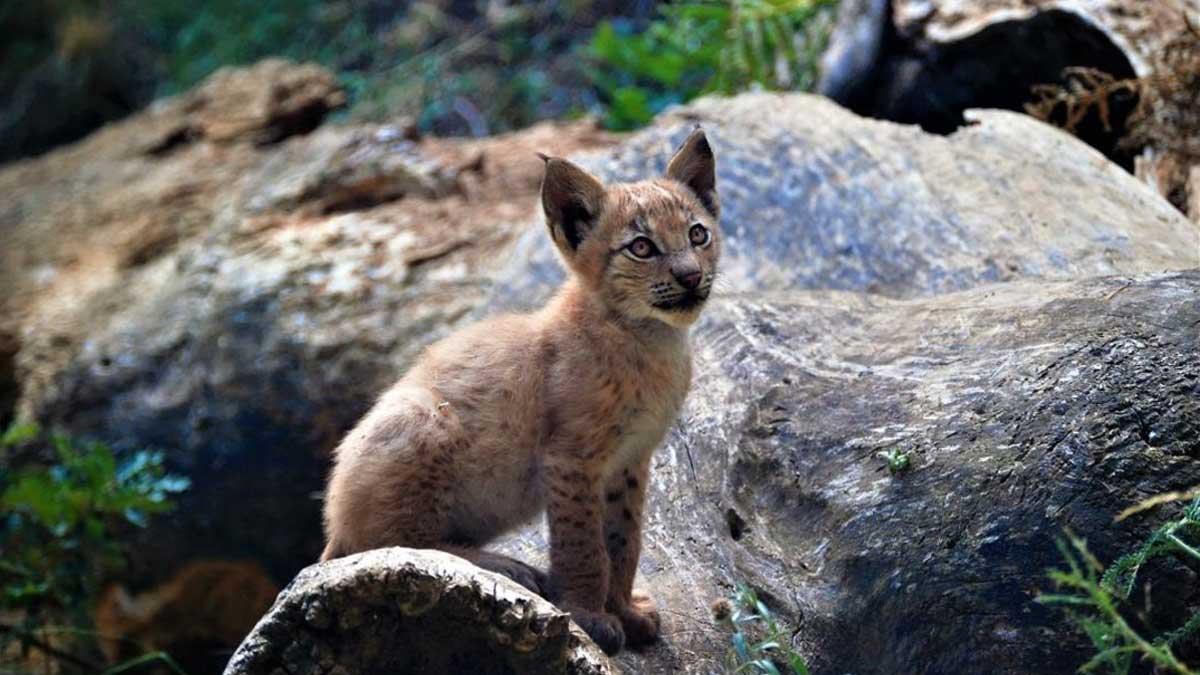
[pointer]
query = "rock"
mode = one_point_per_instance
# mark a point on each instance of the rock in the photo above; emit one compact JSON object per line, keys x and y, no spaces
{"x":264,"y":103}
{"x":1138,"y":29}
{"x":1193,"y":191}
{"x":818,"y":198}
{"x":928,"y":61}
{"x":1025,"y":408}
{"x":348,"y":169}
{"x":117,"y":200}
{"x":407,"y":611}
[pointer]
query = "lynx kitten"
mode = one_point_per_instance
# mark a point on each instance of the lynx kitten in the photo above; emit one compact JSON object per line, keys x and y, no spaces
{"x":557,"y":410}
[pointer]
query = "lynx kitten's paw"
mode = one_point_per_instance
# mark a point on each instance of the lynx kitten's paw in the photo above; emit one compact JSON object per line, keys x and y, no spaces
{"x":604,"y":629}
{"x":640,"y":620}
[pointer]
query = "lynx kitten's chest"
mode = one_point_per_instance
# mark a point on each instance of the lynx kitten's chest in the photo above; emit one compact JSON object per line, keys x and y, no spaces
{"x":653,"y":407}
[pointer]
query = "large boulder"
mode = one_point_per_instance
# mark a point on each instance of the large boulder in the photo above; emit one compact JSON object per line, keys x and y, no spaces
{"x":814,"y":197}
{"x":1026,"y":408}
{"x":405,"y":611}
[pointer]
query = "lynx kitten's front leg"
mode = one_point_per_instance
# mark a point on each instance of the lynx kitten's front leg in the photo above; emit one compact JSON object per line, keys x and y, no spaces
{"x":579,"y":567}
{"x":624,"y":498}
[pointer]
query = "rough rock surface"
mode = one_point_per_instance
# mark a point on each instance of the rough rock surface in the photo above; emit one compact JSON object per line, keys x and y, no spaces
{"x":263,"y":103}
{"x":1194,"y":193}
{"x":405,"y":611}
{"x":926,"y":62}
{"x":223,"y":301}
{"x":816,"y":198}
{"x":134,"y":189}
{"x":1026,"y":408}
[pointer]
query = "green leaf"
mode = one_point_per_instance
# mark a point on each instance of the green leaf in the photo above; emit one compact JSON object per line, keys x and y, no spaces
{"x":1190,"y":627}
{"x":136,"y":517}
{"x":18,"y":433}
{"x":766,"y":666}
{"x":151,"y":657}
{"x":739,"y":647}
{"x":630,"y":108}
{"x":62,"y":518}
{"x":718,"y":13}
{"x":1058,"y":599}
{"x":761,"y":609}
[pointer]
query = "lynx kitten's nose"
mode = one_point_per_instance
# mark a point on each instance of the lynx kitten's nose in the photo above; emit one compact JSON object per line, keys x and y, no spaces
{"x":689,"y":279}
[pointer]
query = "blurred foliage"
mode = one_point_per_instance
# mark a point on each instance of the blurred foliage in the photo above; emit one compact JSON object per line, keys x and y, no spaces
{"x":758,"y":642}
{"x":194,"y":39}
{"x":62,"y":529}
{"x":452,"y":67}
{"x":707,"y":46}
{"x":1097,"y":599}
{"x":66,"y":67}
{"x":479,"y":73}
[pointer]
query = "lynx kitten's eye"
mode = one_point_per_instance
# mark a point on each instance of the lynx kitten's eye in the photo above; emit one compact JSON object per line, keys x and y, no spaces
{"x":642,"y":248}
{"x":698,"y":235}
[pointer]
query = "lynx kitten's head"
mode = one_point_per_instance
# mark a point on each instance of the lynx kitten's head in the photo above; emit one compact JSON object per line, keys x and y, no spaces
{"x":648,"y":249}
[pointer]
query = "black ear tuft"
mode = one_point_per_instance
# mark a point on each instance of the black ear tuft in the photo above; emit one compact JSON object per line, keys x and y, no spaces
{"x":572,"y":199}
{"x":695,"y":166}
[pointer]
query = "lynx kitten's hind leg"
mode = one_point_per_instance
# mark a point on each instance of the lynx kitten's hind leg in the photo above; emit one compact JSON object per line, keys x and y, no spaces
{"x":527,"y":575}
{"x":392,"y":478}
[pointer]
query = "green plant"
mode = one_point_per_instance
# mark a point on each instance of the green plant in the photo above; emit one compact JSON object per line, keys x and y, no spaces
{"x":194,"y":39}
{"x":61,"y":534}
{"x":1095,"y":598}
{"x":758,"y":643}
{"x":706,"y":46}
{"x":478,"y":74}
{"x":898,"y":461}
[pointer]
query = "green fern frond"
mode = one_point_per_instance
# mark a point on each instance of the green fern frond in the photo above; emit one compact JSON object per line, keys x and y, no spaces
{"x":1092,"y":598}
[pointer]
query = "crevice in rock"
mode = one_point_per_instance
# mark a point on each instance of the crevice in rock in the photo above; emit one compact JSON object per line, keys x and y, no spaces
{"x":9,"y":388}
{"x":360,"y":196}
{"x":914,"y":81}
{"x":296,"y":122}
{"x":737,"y":524}
{"x":177,"y":138}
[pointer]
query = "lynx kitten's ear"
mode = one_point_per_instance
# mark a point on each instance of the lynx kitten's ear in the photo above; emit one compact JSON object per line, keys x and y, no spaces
{"x":572,"y":199}
{"x":695,"y":166}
